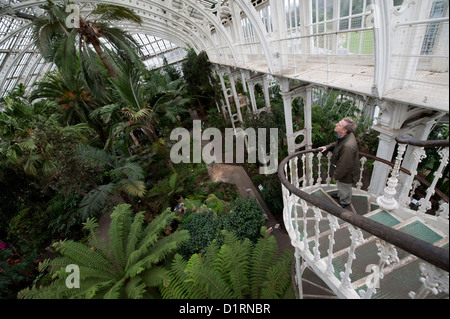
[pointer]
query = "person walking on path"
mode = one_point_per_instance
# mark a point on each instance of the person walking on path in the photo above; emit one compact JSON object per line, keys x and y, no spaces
{"x":345,"y":160}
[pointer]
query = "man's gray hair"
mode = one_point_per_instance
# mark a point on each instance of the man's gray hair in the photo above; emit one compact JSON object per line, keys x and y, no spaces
{"x":351,"y":124}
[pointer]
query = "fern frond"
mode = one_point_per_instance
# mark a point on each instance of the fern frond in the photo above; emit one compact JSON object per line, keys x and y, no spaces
{"x":159,"y":252}
{"x":134,"y":234}
{"x":177,"y":286}
{"x":212,"y":257}
{"x":114,"y":292}
{"x":151,"y":234}
{"x":278,"y":277}
{"x":100,"y":244}
{"x":135,"y":288}
{"x":118,"y":232}
{"x":94,"y":288}
{"x":264,"y":254}
{"x":133,"y":187}
{"x":194,"y":291}
{"x":208,"y":282}
{"x":237,"y":263}
{"x":95,"y":199}
{"x":82,"y":255}
{"x":156,"y":276}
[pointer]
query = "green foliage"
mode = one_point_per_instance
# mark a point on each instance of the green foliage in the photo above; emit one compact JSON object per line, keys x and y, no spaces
{"x":200,"y":83}
{"x":64,"y":45}
{"x":245,"y":220}
{"x":14,"y":271}
{"x":127,"y":267}
{"x":234,"y":270}
{"x":126,"y":179}
{"x":271,"y":194}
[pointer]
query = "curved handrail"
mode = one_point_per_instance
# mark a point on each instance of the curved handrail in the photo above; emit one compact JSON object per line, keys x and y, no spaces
{"x":407,"y":139}
{"x":418,"y":177}
{"x":424,"y":250}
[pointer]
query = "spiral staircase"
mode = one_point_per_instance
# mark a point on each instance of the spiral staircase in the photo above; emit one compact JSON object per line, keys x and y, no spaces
{"x":377,"y":247}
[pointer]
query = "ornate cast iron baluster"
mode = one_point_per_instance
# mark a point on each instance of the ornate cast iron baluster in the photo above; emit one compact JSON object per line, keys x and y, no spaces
{"x":363,"y":161}
{"x":388,"y":255}
{"x":304,"y":173}
{"x":387,"y":200}
{"x":305,"y":232}
{"x":319,"y":175}
{"x":434,"y":280}
{"x":357,"y":238}
{"x":310,"y":169}
{"x":334,"y":225}
{"x":404,"y":199}
{"x":317,"y":217}
{"x":425,"y":203}
{"x":328,"y":179}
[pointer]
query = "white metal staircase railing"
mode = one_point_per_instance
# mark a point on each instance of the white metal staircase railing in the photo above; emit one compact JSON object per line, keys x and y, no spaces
{"x":354,"y":251}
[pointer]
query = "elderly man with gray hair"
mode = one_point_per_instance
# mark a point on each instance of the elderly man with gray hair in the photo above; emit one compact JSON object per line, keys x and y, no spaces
{"x":345,"y":160}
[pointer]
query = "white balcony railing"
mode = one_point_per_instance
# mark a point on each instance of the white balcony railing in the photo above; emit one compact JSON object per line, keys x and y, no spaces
{"x":352,"y":253}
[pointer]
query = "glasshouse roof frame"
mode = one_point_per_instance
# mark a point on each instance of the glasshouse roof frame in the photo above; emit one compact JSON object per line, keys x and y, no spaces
{"x":373,"y":50}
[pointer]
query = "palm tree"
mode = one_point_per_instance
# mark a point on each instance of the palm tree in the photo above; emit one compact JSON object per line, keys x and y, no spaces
{"x":129,"y":266}
{"x":75,"y":100}
{"x":20,"y":124}
{"x":62,"y":45}
{"x":145,"y":99}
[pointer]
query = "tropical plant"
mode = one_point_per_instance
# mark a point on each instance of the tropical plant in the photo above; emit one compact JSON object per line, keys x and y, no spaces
{"x":23,"y":129}
{"x":244,"y":219}
{"x":125,"y":180}
{"x":146,"y":99}
{"x":235,"y":270}
{"x":200,"y":82}
{"x":126,"y":267}
{"x":64,"y":43}
{"x":15,"y":270}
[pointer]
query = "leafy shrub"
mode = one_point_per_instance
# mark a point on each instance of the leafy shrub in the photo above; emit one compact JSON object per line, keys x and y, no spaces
{"x":15,"y":271}
{"x":245,"y":220}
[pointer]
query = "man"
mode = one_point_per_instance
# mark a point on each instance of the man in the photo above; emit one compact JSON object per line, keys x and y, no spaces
{"x":345,"y":160}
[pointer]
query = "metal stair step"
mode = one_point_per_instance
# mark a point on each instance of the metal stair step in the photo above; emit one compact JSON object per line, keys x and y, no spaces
{"x":399,"y":283}
{"x":418,"y":229}
{"x":384,"y":218}
{"x":399,"y":279}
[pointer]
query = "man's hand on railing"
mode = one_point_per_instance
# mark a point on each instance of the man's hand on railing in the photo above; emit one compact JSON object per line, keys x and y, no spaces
{"x":322,"y":148}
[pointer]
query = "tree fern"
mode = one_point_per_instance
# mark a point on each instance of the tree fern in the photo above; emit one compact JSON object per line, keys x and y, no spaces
{"x":236,"y":253}
{"x":278,"y":281}
{"x":106,"y":270}
{"x":264,"y":254}
{"x":237,"y":269}
{"x":177,"y":285}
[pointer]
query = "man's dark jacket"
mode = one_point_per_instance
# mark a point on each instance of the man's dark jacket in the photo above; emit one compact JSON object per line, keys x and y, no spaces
{"x":345,"y":159}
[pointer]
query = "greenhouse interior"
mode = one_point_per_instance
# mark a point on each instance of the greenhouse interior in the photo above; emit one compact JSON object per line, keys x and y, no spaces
{"x":183,"y":149}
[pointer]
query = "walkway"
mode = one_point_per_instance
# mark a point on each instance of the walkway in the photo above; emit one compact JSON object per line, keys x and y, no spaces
{"x":235,"y":174}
